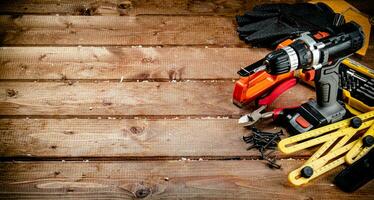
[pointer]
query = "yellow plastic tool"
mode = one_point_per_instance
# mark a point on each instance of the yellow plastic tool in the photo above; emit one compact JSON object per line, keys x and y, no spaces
{"x":319,"y":136}
{"x":321,"y":162}
{"x":359,"y":149}
{"x":320,"y":166}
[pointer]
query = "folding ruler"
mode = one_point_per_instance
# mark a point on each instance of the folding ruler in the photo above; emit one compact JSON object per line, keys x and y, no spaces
{"x":344,"y":151}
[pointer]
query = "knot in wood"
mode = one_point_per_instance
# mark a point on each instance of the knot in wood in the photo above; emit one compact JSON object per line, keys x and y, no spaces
{"x":86,"y":11}
{"x":147,"y":60}
{"x":69,"y":132}
{"x":11,"y":92}
{"x":142,"y":192}
{"x":136,"y":129}
{"x":125,"y":5}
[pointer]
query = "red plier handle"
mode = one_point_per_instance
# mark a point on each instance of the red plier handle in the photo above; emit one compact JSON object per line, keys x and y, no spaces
{"x":281,"y":88}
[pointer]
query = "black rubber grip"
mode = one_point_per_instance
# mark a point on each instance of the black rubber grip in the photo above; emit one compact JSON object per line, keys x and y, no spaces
{"x":327,"y":84}
{"x":278,"y":62}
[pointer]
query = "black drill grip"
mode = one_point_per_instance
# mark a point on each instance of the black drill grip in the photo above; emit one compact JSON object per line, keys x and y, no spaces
{"x":327,"y":84}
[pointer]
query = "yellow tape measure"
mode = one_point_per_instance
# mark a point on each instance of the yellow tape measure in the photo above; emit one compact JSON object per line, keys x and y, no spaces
{"x":328,"y":135}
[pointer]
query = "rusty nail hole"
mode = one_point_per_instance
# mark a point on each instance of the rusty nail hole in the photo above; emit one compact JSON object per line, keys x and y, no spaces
{"x":136,"y":130}
{"x":11,"y":92}
{"x":57,"y":173}
{"x":53,"y":147}
{"x":142,"y":193}
{"x":23,"y":67}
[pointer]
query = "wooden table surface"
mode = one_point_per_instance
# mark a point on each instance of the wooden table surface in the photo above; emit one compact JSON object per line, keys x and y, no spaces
{"x":134,"y":101}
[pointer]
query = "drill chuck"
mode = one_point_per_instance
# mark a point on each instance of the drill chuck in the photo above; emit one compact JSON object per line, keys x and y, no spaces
{"x":281,"y":61}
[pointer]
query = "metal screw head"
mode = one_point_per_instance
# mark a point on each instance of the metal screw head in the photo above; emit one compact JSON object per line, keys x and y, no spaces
{"x":307,"y":172}
{"x":356,"y":122}
{"x":368,"y":141}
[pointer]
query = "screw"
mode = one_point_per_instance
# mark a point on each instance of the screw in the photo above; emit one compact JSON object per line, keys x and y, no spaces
{"x":248,"y":139}
{"x":264,"y":141}
{"x":368,"y":141}
{"x":266,"y":145}
{"x":356,"y":122}
{"x":307,"y":172}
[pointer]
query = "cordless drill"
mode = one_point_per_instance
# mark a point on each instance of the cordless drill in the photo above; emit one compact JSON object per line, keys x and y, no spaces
{"x":322,"y":55}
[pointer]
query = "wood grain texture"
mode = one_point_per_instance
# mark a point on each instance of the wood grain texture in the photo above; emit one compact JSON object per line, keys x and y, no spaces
{"x":146,"y":7}
{"x":204,"y":98}
{"x":130,"y":7}
{"x":114,"y":63}
{"x":127,"y":138}
{"x":95,"y":30}
{"x":160,"y":179}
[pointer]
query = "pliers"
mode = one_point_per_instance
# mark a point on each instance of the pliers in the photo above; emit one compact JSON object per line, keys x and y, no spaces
{"x":253,"y":117}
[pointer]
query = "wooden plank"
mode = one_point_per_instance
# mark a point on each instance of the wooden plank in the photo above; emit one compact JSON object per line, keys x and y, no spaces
{"x":129,"y":7}
{"x":145,"y":7}
{"x":114,"y":63}
{"x":127,"y":138}
{"x":206,"y":98}
{"x":240,"y":179}
{"x":95,"y":30}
